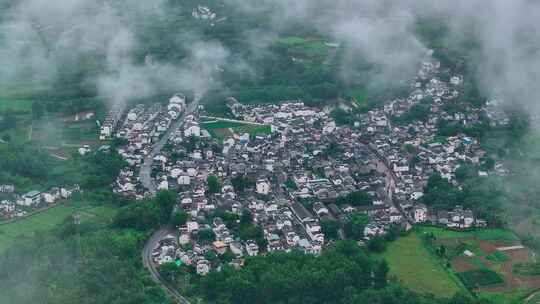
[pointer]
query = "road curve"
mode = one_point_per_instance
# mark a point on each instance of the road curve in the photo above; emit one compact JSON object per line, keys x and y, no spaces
{"x":147,"y":182}
{"x":150,"y":265}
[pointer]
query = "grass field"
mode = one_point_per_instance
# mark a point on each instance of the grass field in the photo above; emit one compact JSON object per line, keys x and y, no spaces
{"x":482,"y":234}
{"x":48,"y":220}
{"x":222,"y":129}
{"x":417,"y":269}
{"x":507,"y":298}
{"x":312,"y":50}
{"x":360,"y":95}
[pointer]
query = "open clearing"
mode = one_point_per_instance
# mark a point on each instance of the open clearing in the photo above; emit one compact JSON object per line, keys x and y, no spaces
{"x":48,"y":220}
{"x":482,"y":234}
{"x":416,"y":268}
{"x":359,"y":95}
{"x":221,"y":129}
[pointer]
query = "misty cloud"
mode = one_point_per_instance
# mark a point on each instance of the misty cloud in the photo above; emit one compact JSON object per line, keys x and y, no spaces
{"x":43,"y":39}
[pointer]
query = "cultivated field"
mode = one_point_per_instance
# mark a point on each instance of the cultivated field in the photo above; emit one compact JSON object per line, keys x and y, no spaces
{"x":416,"y":268}
{"x":486,"y":261}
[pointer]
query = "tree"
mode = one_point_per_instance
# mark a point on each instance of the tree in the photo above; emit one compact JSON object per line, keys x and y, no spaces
{"x":138,"y":216}
{"x":354,"y":228}
{"x":213,"y":184}
{"x":169,"y":271}
{"x":179,"y":218}
{"x":241,"y":182}
{"x":246,"y":218}
{"x":330,"y":229}
{"x":206,"y":235}
{"x":356,"y":198}
{"x":380,"y":274}
{"x":165,"y":200}
{"x":290,"y":184}
{"x":440,"y":194}
{"x":377,"y":244}
{"x":465,"y":171}
{"x":342,"y":117}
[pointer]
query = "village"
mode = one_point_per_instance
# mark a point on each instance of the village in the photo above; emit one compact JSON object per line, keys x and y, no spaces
{"x":15,"y":206}
{"x":289,"y":180}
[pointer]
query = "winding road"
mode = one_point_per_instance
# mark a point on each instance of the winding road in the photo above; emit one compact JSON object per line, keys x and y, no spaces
{"x":151,"y":266}
{"x":148,"y":183}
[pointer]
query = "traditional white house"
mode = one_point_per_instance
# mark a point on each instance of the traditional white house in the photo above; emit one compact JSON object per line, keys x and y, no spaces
{"x":420,"y":213}
{"x":51,"y":196}
{"x":192,"y":226}
{"x":30,"y":198}
{"x":263,"y":186}
{"x":252,"y":248}
{"x":184,"y":180}
{"x":236,"y":248}
{"x":203,"y":267}
{"x":192,"y":129}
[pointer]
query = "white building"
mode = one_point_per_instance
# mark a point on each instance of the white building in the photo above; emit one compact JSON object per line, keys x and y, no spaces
{"x":252,"y":248}
{"x":30,"y":198}
{"x":203,"y":267}
{"x":192,"y":129}
{"x":184,"y":180}
{"x":263,"y":186}
{"x":420,"y":213}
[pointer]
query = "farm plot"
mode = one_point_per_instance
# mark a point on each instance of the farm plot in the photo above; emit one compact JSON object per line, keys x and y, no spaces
{"x":487,"y":261}
{"x":480,"y":278}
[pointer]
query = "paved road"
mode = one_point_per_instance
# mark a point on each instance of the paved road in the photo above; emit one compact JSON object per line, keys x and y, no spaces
{"x":149,"y":264}
{"x":148,"y":183}
{"x":146,"y":167}
{"x":392,"y":174}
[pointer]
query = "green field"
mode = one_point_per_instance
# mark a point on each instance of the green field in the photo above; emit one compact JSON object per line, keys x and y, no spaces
{"x":360,"y":95}
{"x":312,"y":50}
{"x":480,"y":278}
{"x":416,"y":268}
{"x":48,"y":220}
{"x":507,"y":298}
{"x":481,"y":234}
{"x":222,"y":129}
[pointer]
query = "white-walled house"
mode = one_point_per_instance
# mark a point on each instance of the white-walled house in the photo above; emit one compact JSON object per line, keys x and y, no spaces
{"x":263,"y":186}
{"x":420,"y":213}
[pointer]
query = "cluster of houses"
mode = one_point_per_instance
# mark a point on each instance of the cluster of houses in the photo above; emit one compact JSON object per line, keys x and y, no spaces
{"x":414,"y":151}
{"x":19,"y":205}
{"x":296,"y":153}
{"x":108,"y":126}
{"x":205,"y":14}
{"x":141,"y":128}
{"x":293,"y":179}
